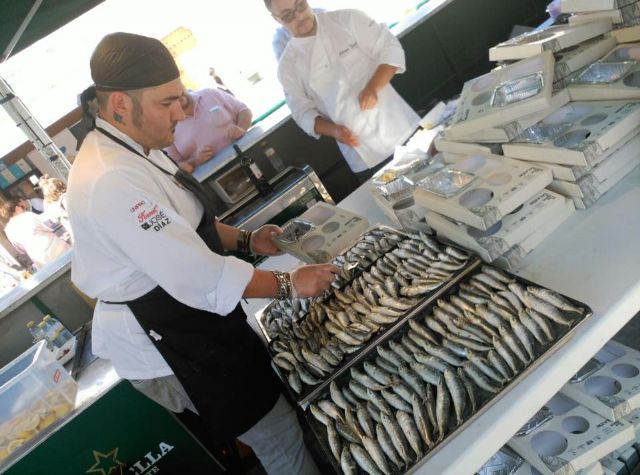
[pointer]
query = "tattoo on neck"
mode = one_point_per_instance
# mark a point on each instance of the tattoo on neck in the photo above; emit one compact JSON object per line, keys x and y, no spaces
{"x":118,"y":118}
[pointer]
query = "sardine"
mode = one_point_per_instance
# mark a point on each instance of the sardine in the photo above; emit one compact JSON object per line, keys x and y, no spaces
{"x":427,"y":373}
{"x":496,"y":361}
{"x":422,"y":331}
{"x":401,"y":351}
{"x":410,"y":345}
{"x":514,"y":344}
{"x":326,"y":355}
{"x":397,"y":436}
{"x":462,"y":304}
{"x":469,"y":388}
{"x":347,"y":464}
{"x":434,"y":362}
{"x":363,"y":460}
{"x":458,"y":394}
{"x":513,"y":299}
{"x":443,"y":403}
{"x":394,"y":400}
{"x":373,"y":412}
{"x":285,"y":360}
{"x":358,"y":389}
{"x":330,"y":408}
{"x":546,"y":309}
{"x":378,"y":374}
{"x":390,"y":356}
{"x":486,"y":367}
{"x":349,"y":396}
{"x":387,"y":446}
{"x":443,"y":354}
{"x":533,"y":327}
{"x":319,"y":414}
{"x":378,"y":402}
{"x":334,"y":441}
{"x":479,"y":378}
{"x":307,"y":377}
{"x":555,"y":299}
{"x":417,"y":290}
{"x":364,"y":419}
{"x":543,"y":323}
{"x":373,"y":448}
{"x":421,"y":419}
{"x":387,"y":366}
{"x":351,"y":421}
{"x":505,"y":353}
{"x":295,"y":382}
{"x":497,"y":274}
{"x":489,"y":281}
{"x":404,"y":392}
{"x":410,"y":430}
{"x":524,"y":336}
{"x":366,"y":380}
{"x":337,"y":396}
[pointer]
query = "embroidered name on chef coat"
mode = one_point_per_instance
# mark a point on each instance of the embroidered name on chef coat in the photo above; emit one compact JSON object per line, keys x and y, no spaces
{"x":150,"y":215}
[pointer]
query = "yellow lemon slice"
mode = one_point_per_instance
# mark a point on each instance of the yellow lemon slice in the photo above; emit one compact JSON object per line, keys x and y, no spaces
{"x":14,"y":445}
{"x":62,"y":409}
{"x":47,"y":421}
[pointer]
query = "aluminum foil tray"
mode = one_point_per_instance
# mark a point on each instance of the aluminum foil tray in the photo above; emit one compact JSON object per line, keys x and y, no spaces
{"x":604,"y":73}
{"x":296,"y":320}
{"x":485,"y":399}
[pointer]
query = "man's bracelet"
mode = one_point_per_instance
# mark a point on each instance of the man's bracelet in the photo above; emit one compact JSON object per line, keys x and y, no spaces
{"x":244,"y":241}
{"x":285,"y":288}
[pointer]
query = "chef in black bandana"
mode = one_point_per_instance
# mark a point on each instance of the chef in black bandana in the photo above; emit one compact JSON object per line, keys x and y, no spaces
{"x":149,"y":248}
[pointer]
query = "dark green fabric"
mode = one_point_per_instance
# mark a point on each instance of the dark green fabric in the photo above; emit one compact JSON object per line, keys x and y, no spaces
{"x":52,"y":15}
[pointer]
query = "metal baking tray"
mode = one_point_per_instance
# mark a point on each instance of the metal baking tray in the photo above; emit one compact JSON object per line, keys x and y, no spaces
{"x":485,"y":403}
{"x":310,"y":393}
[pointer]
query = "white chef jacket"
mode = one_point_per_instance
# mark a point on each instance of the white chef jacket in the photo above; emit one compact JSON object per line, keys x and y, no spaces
{"x":323,"y":75}
{"x":29,"y":235}
{"x":134,"y":229}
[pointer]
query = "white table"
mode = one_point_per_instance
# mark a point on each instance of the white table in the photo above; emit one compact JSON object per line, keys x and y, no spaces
{"x":593,"y":257}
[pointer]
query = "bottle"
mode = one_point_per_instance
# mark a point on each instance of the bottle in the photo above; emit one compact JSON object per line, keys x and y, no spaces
{"x":45,"y":331}
{"x":254,"y":173}
{"x":274,"y":159}
{"x":60,"y":333}
{"x":34,"y":331}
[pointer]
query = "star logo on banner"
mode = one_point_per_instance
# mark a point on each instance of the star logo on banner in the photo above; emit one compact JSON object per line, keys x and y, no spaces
{"x":106,"y":464}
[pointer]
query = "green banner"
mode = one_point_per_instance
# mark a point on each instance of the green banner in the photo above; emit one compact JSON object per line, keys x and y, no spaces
{"x":122,"y":433}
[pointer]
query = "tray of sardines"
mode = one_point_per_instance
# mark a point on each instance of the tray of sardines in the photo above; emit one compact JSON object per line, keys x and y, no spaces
{"x":387,"y":275}
{"x":439,"y":370}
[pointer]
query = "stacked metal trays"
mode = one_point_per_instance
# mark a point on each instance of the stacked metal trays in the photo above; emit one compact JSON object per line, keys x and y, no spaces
{"x":485,"y":400}
{"x":310,"y":392}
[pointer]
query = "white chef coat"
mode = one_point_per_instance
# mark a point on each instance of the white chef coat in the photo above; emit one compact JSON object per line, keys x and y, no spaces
{"x":29,"y":235}
{"x":323,"y":75}
{"x":134,"y":229}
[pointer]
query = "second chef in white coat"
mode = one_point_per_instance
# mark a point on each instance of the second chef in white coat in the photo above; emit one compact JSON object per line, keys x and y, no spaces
{"x":336,"y":74}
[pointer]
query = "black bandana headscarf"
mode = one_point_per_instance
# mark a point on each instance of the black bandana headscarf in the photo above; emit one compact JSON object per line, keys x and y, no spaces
{"x":125,"y":62}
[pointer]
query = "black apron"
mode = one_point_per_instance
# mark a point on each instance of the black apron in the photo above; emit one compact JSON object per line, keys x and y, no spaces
{"x":220,"y":361}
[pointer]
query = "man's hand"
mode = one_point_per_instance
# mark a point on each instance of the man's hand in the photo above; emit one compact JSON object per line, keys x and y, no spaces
{"x":205,"y":153}
{"x":368,"y":98}
{"x":186,"y":166}
{"x":262,"y":240}
{"x":313,"y":280}
{"x":234,"y":132}
{"x":343,"y":134}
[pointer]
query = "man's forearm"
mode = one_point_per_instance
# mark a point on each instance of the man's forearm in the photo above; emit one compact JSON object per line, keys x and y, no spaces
{"x":263,"y":284}
{"x":228,"y":236}
{"x":324,"y":127}
{"x":383,"y":76}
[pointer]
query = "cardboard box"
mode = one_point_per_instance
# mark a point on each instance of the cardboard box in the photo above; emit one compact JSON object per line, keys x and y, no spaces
{"x":613,"y":466}
{"x":320,"y":233}
{"x":573,"y":439}
{"x":581,"y":18}
{"x":505,"y":234}
{"x":527,"y":469}
{"x":585,"y":203}
{"x":506,"y":132}
{"x":630,"y":147}
{"x":613,"y":391}
{"x":631,"y":14}
{"x":555,"y":38}
{"x":590,"y":185}
{"x":590,"y":129}
{"x":493,"y":188}
{"x":494,"y":99}
{"x":624,"y":83}
{"x":570,"y":61}
{"x":24,"y":165}
{"x":629,"y":34}
{"x":465,"y":148}
{"x":512,"y":258}
{"x":575,"y":6}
